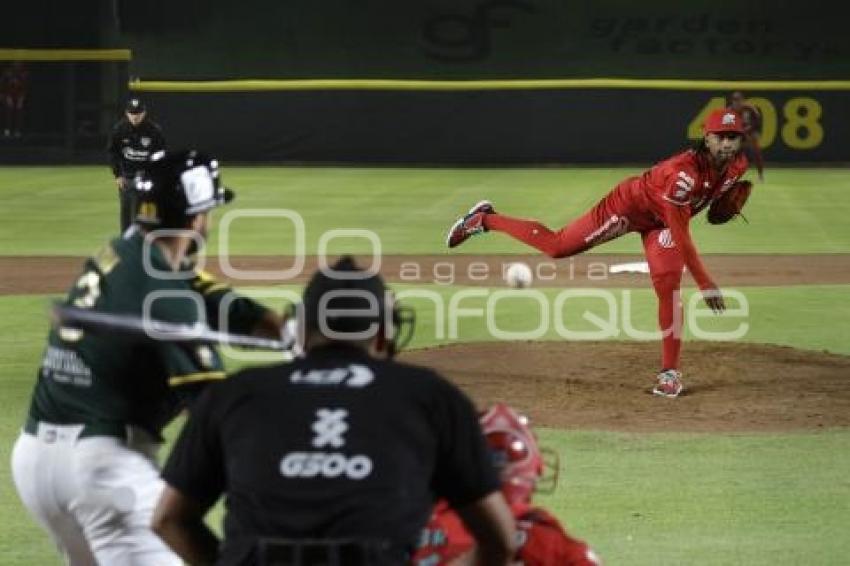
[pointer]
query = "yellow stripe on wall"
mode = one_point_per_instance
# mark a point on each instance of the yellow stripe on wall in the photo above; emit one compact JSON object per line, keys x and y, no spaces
{"x":65,"y":54}
{"x":461,"y":85}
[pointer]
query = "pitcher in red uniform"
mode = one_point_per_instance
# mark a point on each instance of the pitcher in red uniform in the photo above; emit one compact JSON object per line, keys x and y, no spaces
{"x":519,"y":458}
{"x":658,"y":205}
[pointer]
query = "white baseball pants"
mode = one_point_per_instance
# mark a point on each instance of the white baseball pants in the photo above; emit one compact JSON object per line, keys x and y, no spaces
{"x":95,"y":495}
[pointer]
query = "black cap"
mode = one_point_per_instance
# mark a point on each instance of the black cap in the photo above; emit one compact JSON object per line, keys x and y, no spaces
{"x":345,"y":287}
{"x":135,"y":106}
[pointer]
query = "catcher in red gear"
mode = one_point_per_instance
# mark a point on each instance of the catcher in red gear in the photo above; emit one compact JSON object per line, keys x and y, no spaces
{"x":658,"y":205}
{"x":520,"y":460}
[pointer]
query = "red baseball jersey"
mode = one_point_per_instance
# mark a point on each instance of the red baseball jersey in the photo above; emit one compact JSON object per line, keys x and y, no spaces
{"x":673,"y":191}
{"x":688,"y":179}
{"x":443,"y":539}
{"x":542,"y":540}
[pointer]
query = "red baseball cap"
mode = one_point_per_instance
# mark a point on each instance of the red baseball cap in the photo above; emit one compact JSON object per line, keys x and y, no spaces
{"x":723,"y":120}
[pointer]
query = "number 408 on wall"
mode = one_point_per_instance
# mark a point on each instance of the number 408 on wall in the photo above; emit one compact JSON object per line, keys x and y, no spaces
{"x":801,"y":127}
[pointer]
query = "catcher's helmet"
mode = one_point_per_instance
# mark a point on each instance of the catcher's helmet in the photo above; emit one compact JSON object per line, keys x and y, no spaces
{"x":522,"y":464}
{"x":177,"y":186}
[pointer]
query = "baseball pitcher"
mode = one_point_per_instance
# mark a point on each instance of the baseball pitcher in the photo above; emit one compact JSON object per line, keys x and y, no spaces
{"x":658,"y":205}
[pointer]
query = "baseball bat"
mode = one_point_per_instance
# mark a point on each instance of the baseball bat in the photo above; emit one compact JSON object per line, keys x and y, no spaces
{"x":150,"y":329}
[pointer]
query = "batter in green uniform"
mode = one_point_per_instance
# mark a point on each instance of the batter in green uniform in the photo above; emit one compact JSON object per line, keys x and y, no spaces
{"x":85,"y":462}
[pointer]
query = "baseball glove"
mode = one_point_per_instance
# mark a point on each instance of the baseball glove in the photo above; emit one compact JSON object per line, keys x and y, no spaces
{"x":730,"y":203}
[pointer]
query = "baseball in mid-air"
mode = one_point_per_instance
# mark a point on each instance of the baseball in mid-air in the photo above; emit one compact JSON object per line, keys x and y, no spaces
{"x":518,"y":275}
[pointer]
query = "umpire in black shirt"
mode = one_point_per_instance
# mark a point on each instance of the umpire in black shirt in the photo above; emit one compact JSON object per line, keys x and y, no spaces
{"x":338,"y":455}
{"x":132,"y":142}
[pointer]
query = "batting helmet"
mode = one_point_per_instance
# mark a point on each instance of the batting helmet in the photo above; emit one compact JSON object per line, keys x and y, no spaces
{"x":177,"y":186}
{"x":524,"y":467}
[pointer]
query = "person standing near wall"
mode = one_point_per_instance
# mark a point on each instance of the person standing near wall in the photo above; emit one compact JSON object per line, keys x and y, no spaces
{"x":14,"y":83}
{"x":752,"y":129}
{"x":132,"y":142}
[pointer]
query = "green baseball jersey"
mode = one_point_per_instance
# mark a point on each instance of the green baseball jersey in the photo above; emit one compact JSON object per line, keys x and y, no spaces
{"x":103,"y":379}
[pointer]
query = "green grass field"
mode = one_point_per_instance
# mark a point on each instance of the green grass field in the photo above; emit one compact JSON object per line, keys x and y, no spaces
{"x":71,"y":210}
{"x":650,"y":499}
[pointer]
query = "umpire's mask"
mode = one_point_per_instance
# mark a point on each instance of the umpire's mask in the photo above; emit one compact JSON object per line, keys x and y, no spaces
{"x":345,"y":303}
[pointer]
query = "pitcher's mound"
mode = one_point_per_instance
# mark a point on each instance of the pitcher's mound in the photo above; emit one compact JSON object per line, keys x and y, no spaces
{"x":607,"y":385}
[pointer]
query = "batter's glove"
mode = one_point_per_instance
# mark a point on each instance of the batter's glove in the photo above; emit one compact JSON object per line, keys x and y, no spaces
{"x":730,"y":204}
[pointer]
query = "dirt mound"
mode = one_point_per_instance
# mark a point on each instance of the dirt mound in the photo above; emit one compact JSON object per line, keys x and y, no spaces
{"x":730,"y":387}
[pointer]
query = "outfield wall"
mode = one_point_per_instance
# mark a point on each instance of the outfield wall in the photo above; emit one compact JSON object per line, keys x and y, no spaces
{"x":272,"y":113}
{"x":385,"y":123}
{"x":436,"y":81}
{"x":478,"y":39}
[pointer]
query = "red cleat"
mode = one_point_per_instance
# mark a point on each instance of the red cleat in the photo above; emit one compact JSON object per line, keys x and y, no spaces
{"x":669,"y":384}
{"x":470,"y":224}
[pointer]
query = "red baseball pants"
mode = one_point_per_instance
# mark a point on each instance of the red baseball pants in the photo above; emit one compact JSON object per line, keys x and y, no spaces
{"x":610,"y":218}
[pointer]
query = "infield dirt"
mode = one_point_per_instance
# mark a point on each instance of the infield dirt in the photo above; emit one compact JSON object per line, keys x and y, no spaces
{"x":54,"y":274}
{"x":730,"y":387}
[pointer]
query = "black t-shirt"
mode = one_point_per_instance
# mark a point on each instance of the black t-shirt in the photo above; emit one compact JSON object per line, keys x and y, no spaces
{"x":336,"y":445}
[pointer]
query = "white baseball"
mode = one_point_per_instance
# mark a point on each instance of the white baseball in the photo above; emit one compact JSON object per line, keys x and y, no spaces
{"x":518,"y":275}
